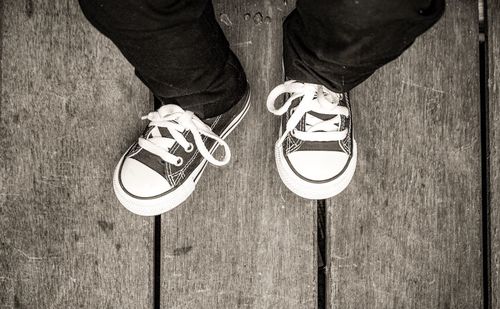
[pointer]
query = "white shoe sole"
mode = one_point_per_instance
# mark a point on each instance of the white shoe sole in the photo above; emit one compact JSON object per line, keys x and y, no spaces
{"x":312,"y":190}
{"x":162,"y":204}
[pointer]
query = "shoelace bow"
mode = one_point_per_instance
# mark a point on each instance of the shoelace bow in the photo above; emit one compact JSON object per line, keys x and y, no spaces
{"x":315,"y":98}
{"x":177,"y":121}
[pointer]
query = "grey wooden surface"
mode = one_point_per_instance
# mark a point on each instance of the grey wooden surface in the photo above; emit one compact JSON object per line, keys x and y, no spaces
{"x":494,"y":122}
{"x":407,"y":232}
{"x":69,"y":107}
{"x":243,"y":240}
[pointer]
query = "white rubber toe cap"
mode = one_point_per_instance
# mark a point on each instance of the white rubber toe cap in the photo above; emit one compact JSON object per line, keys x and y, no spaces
{"x":142,"y":181}
{"x":318,"y":165}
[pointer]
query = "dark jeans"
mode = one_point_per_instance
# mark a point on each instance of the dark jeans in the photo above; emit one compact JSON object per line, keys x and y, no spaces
{"x":181,"y":54}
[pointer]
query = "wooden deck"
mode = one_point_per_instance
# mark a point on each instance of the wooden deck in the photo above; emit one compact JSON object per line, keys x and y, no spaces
{"x":419,"y":227}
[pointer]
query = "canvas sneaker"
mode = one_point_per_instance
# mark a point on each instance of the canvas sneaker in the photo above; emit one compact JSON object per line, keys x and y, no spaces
{"x":161,"y":169}
{"x":316,"y":153}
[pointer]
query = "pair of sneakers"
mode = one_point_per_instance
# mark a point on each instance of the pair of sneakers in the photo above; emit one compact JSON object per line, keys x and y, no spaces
{"x":315,"y":154}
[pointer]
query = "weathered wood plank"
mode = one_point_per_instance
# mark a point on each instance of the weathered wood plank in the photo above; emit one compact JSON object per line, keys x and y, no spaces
{"x":69,"y":108}
{"x":493,"y":8}
{"x":243,"y":240}
{"x":407,"y":232}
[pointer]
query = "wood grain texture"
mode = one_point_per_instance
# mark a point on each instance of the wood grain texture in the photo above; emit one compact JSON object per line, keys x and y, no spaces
{"x":493,"y":31}
{"x":243,"y":240}
{"x":69,"y":108}
{"x":407,"y":232}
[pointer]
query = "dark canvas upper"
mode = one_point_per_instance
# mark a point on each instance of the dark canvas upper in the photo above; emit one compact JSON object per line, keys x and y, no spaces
{"x":191,"y":160}
{"x":293,"y":144}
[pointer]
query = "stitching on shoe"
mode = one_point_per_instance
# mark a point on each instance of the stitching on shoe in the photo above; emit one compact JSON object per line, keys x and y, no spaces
{"x":294,"y":143}
{"x":179,"y":176}
{"x":169,"y":176}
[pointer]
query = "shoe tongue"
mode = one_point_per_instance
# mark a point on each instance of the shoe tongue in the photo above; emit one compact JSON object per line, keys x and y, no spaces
{"x":169,"y":109}
{"x":153,"y":131}
{"x":209,"y":121}
{"x":331,"y":95}
{"x":313,"y":118}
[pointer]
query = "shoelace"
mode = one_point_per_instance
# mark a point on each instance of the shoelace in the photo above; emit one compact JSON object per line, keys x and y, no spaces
{"x":315,"y":98}
{"x":176,"y":121}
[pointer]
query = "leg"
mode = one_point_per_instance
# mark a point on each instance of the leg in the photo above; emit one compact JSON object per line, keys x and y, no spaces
{"x":341,"y":43}
{"x":177,"y":49}
{"x":181,"y":54}
{"x":330,"y":46}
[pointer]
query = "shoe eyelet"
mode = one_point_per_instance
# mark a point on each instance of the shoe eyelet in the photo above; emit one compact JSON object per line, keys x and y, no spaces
{"x":190,"y":148}
{"x":179,"y":161}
